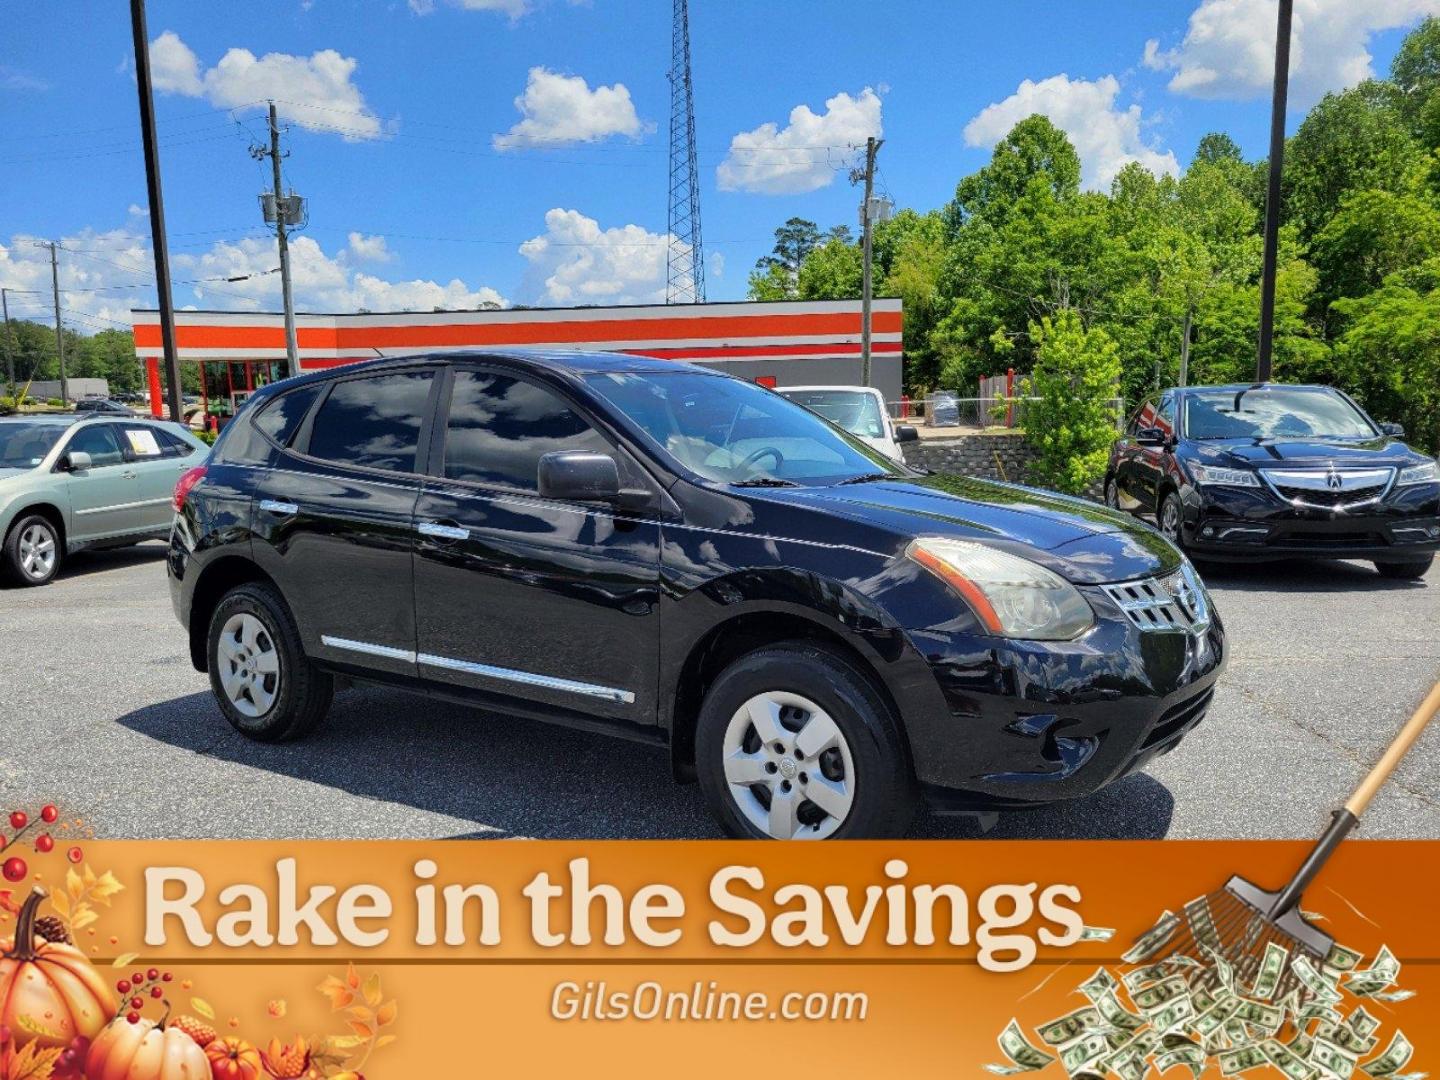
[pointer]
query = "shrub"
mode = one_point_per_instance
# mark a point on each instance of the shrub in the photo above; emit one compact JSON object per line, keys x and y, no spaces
{"x":1070,"y":421}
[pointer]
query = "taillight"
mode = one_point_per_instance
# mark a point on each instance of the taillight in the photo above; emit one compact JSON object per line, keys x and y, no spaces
{"x":188,"y":479}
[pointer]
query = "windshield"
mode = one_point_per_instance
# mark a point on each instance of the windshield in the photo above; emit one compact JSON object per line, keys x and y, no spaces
{"x":24,"y":446}
{"x":736,"y":432}
{"x":1275,"y":413}
{"x":854,"y":410}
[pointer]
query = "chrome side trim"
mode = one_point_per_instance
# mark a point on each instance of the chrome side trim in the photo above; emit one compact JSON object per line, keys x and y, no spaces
{"x":444,"y":532}
{"x":121,"y":506}
{"x":545,"y":682}
{"x":389,"y":652}
{"x":285,"y":509}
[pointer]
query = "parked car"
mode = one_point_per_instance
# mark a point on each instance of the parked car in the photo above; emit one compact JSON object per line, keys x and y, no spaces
{"x":860,"y":410}
{"x":823,"y":636}
{"x":69,"y":482}
{"x":103,"y":405}
{"x":942,"y":410}
{"x":1273,"y":471}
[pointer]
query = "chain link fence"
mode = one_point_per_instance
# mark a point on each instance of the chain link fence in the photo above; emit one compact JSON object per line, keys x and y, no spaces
{"x":941,"y":411}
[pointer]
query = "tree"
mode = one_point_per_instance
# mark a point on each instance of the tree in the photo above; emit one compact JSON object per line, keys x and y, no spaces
{"x":1034,"y":150}
{"x":1374,"y":235}
{"x":1071,"y":424}
{"x":1217,"y":148}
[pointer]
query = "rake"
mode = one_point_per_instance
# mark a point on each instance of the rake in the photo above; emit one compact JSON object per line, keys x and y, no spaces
{"x":1241,"y":920}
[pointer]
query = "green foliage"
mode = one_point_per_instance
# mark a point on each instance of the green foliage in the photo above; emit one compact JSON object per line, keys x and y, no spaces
{"x":1071,"y":424}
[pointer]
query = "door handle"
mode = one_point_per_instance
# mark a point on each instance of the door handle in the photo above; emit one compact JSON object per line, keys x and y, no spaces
{"x":280,"y":509}
{"x":439,"y":530}
{"x":128,"y":474}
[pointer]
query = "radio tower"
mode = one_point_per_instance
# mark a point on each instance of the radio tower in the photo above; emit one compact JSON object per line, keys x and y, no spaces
{"x":685,"y":261}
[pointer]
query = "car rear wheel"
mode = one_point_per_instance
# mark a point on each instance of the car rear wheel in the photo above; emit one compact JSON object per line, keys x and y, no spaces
{"x":1112,"y":493}
{"x":33,"y":551}
{"x":266,"y":686}
{"x":794,"y":743}
{"x":1413,"y":570}
{"x":1169,"y":517}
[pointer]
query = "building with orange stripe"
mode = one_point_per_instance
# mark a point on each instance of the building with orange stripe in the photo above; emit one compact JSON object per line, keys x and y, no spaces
{"x":780,"y":343}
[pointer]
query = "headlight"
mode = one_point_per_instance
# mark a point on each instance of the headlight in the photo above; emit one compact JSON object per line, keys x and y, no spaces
{"x":1011,"y":596}
{"x":1209,"y":474}
{"x":1429,"y":473}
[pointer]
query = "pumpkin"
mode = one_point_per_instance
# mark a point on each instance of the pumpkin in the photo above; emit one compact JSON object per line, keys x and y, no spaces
{"x":49,"y":993}
{"x":145,"y":1050}
{"x":233,"y":1059}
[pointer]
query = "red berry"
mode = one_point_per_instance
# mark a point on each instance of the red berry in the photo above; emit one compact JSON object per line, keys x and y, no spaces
{"x":15,"y":869}
{"x":137,"y":1003}
{"x":123,"y":986}
{"x":133,"y":1017}
{"x":75,"y":854}
{"x":156,"y":992}
{"x":166,"y":977}
{"x":44,"y":843}
{"x":49,"y":814}
{"x":152,"y":974}
{"x":138,"y":978}
{"x":19,"y":819}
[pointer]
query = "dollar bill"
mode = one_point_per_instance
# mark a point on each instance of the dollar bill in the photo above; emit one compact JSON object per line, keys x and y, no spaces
{"x":1213,"y":1019}
{"x":1202,"y":923}
{"x":1242,"y":1059}
{"x":1396,"y":1056}
{"x":1302,"y":1044}
{"x":1272,"y":966}
{"x":1223,"y":971}
{"x":1173,"y":1015}
{"x":1084,"y":1052}
{"x":1333,"y":1059}
{"x":1192,"y":1056}
{"x":1096,"y":933}
{"x":1342,"y":959}
{"x":1266,"y":1017}
{"x":1071,"y":1026}
{"x":1102,"y":982}
{"x":1380,"y":975}
{"x":1361,"y":1022}
{"x":1313,"y":981}
{"x":1023,"y":1057}
{"x":1151,"y":998}
{"x":1345,"y":1037}
{"x":1392,"y":996}
{"x":1287,"y":1061}
{"x":1141,"y":976}
{"x":1154,"y":939}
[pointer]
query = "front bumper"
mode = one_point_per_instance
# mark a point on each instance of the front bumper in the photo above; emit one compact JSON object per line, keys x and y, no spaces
{"x":1023,"y":724}
{"x":1249,"y":523}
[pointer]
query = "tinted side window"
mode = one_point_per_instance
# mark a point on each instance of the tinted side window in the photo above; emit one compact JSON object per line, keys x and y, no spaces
{"x":373,"y":422}
{"x":97,"y":440}
{"x":500,"y":427}
{"x":1143,"y":418}
{"x":1165,"y":418}
{"x":279,"y":419}
{"x":172,"y":444}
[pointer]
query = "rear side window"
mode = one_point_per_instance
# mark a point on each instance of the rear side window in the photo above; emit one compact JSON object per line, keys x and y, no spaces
{"x":500,"y":427}
{"x":278,"y":420}
{"x":172,"y":444}
{"x":97,"y":440}
{"x":373,"y":422}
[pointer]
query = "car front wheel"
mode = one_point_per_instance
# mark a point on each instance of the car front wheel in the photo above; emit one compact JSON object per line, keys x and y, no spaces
{"x":1413,"y":570}
{"x":33,"y":551}
{"x":794,"y":743}
{"x":1169,"y":517}
{"x":265,"y":685}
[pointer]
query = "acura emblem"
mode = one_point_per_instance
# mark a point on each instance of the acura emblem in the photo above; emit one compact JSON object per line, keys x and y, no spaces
{"x":1333,"y":480}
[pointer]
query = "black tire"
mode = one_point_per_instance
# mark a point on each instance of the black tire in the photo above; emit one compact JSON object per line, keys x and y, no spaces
{"x":1170,"y":503}
{"x":17,"y":568}
{"x":1112,"y":493}
{"x":884,"y":797}
{"x":1405,"y":571}
{"x":302,"y":693}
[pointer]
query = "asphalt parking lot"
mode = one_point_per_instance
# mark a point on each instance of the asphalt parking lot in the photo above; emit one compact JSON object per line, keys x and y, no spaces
{"x":102,"y":713}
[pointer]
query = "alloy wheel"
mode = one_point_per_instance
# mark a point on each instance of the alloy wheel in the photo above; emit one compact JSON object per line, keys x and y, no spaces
{"x":788,"y":767}
{"x":1170,"y":519}
{"x":37,"y":552}
{"x":1112,"y":494}
{"x":249,"y":665}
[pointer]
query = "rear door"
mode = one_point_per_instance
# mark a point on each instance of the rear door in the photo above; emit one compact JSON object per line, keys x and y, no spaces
{"x":334,"y":518}
{"x":104,"y":497}
{"x":529,"y":603}
{"x":155,"y":460}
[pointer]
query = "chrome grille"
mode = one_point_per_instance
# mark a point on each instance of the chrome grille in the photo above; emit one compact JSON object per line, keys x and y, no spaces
{"x":1329,"y":489}
{"x":1174,"y":602}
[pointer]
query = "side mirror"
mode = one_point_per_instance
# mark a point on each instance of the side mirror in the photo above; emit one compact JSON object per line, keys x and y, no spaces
{"x":74,"y":461}
{"x":1151,"y":436}
{"x":1396,"y":431}
{"x":906,"y":433}
{"x":579,"y":476}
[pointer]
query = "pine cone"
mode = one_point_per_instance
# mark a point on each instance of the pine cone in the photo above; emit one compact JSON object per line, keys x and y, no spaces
{"x":52,"y":929}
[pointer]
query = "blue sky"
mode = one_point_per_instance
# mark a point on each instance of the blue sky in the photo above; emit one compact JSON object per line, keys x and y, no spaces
{"x":405,"y":131}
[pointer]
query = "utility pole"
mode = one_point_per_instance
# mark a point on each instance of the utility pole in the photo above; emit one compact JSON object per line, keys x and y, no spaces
{"x":291,"y":352}
{"x":867,"y":216}
{"x":59,"y":332}
{"x":9,"y":345}
{"x":1272,"y":196}
{"x":158,"y":242}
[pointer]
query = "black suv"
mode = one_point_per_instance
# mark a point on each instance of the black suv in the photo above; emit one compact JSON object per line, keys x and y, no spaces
{"x":674,"y":555}
{"x":1270,"y":471}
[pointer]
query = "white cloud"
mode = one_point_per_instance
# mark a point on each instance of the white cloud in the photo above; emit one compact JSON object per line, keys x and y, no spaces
{"x":102,"y":275}
{"x":10,"y":79}
{"x":575,"y":261}
{"x":320,"y":282}
{"x":136,"y":210}
{"x":317,"y":92}
{"x":717,"y":264}
{"x":1105,"y":136}
{"x":1229,"y":46}
{"x":561,"y":109}
{"x":369,"y":248}
{"x":512,"y":8}
{"x":804,"y":156}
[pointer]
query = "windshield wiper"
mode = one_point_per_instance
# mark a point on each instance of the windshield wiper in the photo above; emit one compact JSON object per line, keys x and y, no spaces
{"x":866,"y":478}
{"x":765,"y":481}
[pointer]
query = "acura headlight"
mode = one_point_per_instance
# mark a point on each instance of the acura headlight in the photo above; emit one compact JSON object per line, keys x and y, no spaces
{"x":1011,"y":596}
{"x":1429,"y":473}
{"x":1209,"y":474}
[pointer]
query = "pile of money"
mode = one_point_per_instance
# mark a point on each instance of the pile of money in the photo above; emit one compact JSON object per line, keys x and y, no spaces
{"x":1198,"y":1012}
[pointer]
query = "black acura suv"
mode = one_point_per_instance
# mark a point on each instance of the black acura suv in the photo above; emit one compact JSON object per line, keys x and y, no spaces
{"x":1270,"y":471}
{"x":822,"y":637}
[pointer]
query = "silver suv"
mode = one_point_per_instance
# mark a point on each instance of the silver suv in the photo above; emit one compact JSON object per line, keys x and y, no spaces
{"x":71,"y":482}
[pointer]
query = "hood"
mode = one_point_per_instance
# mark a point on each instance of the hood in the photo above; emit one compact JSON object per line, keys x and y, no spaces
{"x":1081,"y":541}
{"x":1259,"y":453}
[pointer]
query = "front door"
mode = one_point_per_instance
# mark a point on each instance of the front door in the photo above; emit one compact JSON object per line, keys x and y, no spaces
{"x":527,"y":603}
{"x":1149,"y":462}
{"x":334,"y":519}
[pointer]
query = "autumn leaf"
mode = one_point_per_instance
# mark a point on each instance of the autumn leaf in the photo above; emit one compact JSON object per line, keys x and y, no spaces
{"x":365,"y":1031}
{"x":339,"y":994}
{"x":342,"y":1043}
{"x":386,"y":1013}
{"x":83,"y":917}
{"x":33,"y":1063}
{"x":277,"y":1008}
{"x":59,"y":901}
{"x":352,"y":977}
{"x":203,"y":1007}
{"x":124,"y":959}
{"x":372,"y":989}
{"x":7,"y":902}
{"x":361,"y":1013}
{"x":105,"y":888}
{"x":384,"y":1040}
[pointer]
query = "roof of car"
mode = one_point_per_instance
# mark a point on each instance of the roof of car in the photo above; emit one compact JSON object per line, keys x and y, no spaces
{"x":1235,"y":388}
{"x":577,"y":362}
